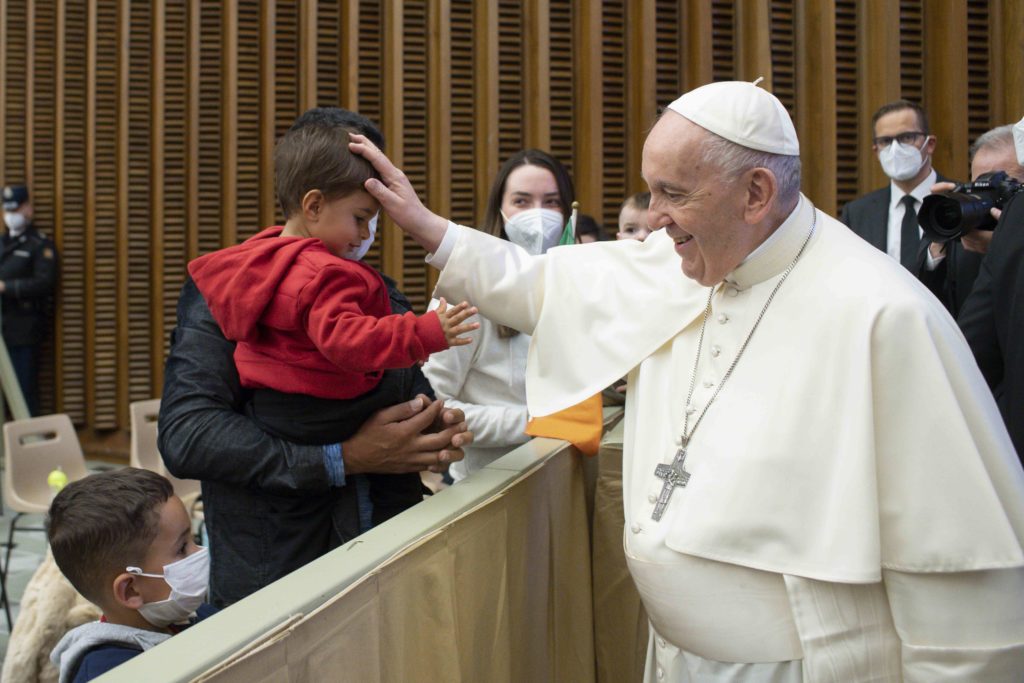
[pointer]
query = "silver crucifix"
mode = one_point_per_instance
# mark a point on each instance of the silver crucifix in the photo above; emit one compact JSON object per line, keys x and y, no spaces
{"x":674,"y":475}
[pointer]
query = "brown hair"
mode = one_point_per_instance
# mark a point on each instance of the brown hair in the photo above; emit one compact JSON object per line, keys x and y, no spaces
{"x":494,"y":224}
{"x":316,"y":157}
{"x":900,"y":105}
{"x":640,"y":200}
{"x":99,"y":525}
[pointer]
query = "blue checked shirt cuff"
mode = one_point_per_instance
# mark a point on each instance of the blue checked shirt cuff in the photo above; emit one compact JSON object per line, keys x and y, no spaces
{"x":334,"y":464}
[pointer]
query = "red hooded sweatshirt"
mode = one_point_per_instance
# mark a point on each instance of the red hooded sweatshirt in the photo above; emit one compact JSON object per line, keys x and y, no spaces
{"x":307,"y":321}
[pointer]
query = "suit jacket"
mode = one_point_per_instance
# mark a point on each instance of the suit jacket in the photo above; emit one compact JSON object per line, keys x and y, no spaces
{"x":992,"y":318}
{"x":951,"y":281}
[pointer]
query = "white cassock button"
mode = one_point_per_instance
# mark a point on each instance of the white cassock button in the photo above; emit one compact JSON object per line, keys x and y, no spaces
{"x":690,"y":410}
{"x":661,"y":642}
{"x":635,"y":528}
{"x":731,"y":291}
{"x":708,"y":384}
{"x":715,"y":350}
{"x":723,"y":318}
{"x":652,"y":498}
{"x":661,"y":673}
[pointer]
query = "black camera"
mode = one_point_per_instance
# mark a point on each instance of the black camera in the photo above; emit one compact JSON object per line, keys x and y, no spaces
{"x":948,"y":215}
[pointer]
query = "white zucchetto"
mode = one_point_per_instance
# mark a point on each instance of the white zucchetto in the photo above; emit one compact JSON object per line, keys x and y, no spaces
{"x":743,"y":113}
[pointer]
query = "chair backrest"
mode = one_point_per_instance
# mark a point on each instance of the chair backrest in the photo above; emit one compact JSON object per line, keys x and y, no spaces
{"x":144,"y":452}
{"x":34,"y":448}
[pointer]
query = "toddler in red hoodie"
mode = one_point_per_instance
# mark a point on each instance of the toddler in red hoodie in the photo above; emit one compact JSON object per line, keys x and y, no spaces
{"x":314,"y":329}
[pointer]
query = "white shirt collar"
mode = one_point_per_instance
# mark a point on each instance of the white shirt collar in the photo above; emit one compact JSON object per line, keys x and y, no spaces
{"x":918,"y":193}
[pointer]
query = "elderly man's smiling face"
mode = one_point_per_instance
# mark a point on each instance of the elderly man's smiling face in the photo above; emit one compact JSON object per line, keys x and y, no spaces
{"x":698,"y":205}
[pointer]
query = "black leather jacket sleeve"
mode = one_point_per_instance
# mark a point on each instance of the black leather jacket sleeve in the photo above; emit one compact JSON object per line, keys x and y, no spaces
{"x":203,"y":433}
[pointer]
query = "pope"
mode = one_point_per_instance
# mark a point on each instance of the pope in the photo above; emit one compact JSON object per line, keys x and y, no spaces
{"x":817,"y":482}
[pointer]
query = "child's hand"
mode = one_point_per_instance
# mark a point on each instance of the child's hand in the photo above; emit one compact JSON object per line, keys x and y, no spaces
{"x":452,"y":322}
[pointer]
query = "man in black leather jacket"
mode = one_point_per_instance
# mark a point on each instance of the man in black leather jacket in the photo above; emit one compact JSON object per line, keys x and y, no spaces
{"x":311,"y":492}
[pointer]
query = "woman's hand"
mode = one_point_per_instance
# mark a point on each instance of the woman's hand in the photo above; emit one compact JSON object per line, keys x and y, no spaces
{"x":398,"y":198}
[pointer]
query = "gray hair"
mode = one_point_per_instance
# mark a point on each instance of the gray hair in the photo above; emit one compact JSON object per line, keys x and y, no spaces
{"x":735,"y":160}
{"x":996,"y":138}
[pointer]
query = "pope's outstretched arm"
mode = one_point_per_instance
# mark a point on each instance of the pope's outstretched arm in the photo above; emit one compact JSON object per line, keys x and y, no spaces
{"x":500,"y":278}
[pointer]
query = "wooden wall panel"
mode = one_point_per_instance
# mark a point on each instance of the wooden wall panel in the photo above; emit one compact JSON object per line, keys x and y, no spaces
{"x":148,"y":128}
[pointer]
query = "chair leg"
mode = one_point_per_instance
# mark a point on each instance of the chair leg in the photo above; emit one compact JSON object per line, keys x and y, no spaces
{"x":5,"y":570}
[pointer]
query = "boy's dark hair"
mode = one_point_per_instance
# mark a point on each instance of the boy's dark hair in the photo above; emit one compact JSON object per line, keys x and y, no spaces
{"x":640,"y":200}
{"x":586,"y":225}
{"x":99,"y":525}
{"x":900,"y":105}
{"x":314,"y":155}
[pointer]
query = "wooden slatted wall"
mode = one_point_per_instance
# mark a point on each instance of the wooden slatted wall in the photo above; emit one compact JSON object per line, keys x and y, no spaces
{"x":146,"y":129}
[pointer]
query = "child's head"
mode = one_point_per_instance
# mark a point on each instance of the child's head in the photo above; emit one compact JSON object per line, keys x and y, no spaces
{"x":319,"y":182}
{"x":587,"y":229}
{"x":633,"y":218}
{"x":100,"y":526}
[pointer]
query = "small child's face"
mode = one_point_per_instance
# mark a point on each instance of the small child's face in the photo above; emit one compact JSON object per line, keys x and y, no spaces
{"x":173,"y":542}
{"x":633,"y":224}
{"x":344,"y":223}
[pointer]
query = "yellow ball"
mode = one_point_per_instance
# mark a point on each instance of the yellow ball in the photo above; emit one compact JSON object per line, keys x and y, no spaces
{"x":57,"y":480}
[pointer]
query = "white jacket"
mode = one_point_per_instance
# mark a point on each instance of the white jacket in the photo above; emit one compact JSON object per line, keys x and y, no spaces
{"x":487,"y":380}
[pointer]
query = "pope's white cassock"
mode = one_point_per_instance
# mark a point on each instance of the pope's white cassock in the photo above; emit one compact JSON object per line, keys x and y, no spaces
{"x":855,"y":510}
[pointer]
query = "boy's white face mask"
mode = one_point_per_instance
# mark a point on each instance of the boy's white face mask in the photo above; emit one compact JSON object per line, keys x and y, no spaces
{"x":189,"y":579}
{"x":364,"y":246}
{"x":535,"y":230}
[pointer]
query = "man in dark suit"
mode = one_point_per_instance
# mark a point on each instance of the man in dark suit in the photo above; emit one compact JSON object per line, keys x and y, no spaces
{"x":904,"y":148}
{"x":993,"y":318}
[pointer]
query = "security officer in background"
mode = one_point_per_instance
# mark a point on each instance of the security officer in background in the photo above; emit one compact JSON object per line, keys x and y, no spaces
{"x":28,"y":273}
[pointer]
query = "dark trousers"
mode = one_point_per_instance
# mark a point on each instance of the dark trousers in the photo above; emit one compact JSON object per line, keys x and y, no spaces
{"x":25,"y":360}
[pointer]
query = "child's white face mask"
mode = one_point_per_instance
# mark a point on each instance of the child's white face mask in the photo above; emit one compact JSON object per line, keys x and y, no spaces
{"x":189,"y":579}
{"x":364,"y":246}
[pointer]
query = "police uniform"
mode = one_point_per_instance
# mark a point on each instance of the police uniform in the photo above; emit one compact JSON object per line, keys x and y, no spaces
{"x":28,"y":269}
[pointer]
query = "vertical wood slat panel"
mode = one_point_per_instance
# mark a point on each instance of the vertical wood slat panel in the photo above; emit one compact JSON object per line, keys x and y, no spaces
{"x":753,"y":43}
{"x":307,"y":54}
{"x":589,"y":143}
{"x":171,"y":175}
{"x":979,"y":88}
{"x":945,"y":83}
{"x":121,"y":374}
{"x":393,"y":106}
{"x":91,"y":57}
{"x":641,"y":86}
{"x":348,"y":55}
{"x":268,"y":99}
{"x":30,"y":67}
{"x":14,"y":48}
{"x":414,"y":132}
{"x":486,"y":76}
{"x":157,"y":224}
{"x":249,"y":105}
{"x":54,"y":398}
{"x":3,"y":92}
{"x":229,"y":124}
{"x":536,"y":39}
{"x":816,"y":100}
{"x":697,"y":57}
{"x":847,"y":147}
{"x":439,"y":120}
{"x":878,"y":48}
{"x":562,"y":113}
{"x":614,"y":108}
{"x":1006,"y":55}
{"x":192,"y":129}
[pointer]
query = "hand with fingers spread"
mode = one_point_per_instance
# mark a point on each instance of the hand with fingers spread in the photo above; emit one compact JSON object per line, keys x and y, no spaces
{"x":452,"y":322}
{"x":398,"y":198}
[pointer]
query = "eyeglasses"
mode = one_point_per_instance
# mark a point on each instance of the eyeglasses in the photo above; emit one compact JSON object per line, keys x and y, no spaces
{"x":908,"y":138}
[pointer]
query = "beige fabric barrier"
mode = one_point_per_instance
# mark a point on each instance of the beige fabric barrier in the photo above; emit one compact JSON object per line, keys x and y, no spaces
{"x":489,"y":580}
{"x":620,"y":623}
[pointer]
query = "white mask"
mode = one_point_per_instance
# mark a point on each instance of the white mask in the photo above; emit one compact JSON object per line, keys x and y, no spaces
{"x":535,"y":230}
{"x":901,"y":162}
{"x":15,"y":222}
{"x":1018,"y":141}
{"x":364,"y":246}
{"x":189,"y":580}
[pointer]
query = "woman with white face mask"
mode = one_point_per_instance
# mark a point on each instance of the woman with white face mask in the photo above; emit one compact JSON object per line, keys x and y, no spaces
{"x":528,"y":205}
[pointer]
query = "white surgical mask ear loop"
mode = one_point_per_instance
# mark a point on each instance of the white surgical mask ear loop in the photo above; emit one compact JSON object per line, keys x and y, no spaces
{"x":137,"y":571}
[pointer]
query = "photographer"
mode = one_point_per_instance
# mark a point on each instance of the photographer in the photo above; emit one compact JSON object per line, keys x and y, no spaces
{"x":957,"y":261}
{"x":991,"y":320}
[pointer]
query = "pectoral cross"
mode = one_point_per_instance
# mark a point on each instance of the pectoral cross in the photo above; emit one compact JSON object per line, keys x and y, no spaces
{"x":674,"y":475}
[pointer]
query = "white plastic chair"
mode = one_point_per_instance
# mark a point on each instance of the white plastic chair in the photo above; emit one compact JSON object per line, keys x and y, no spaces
{"x":145,"y":454}
{"x":35,"y":447}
